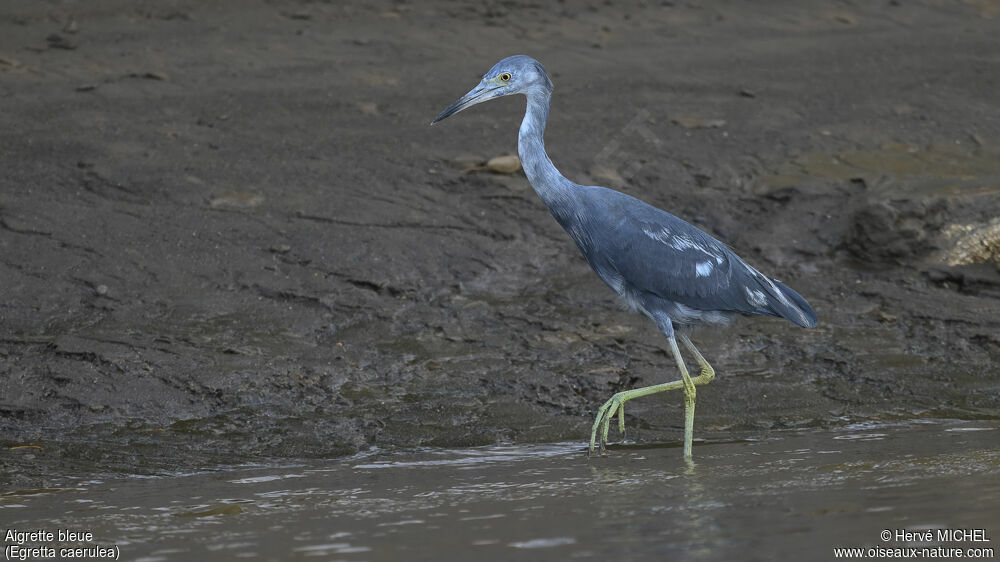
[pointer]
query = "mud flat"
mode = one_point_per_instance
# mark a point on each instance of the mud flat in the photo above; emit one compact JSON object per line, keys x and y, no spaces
{"x":227,"y":232}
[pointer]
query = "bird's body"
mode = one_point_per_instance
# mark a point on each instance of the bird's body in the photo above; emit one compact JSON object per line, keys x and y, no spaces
{"x":660,"y":265}
{"x":655,"y":261}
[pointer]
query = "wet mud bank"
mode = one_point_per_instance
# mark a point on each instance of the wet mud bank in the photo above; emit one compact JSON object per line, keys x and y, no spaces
{"x":227,"y":232}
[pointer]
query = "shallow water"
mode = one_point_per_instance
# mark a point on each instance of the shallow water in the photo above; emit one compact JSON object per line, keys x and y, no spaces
{"x":791,"y":495}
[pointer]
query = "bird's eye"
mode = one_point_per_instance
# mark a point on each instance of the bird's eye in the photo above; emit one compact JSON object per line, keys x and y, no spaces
{"x":505,"y":77}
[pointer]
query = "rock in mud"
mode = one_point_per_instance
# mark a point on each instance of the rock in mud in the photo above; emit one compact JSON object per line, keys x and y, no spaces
{"x":896,"y":232}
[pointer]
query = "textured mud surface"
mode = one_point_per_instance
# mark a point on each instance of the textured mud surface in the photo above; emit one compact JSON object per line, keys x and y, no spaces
{"x":227,"y":232}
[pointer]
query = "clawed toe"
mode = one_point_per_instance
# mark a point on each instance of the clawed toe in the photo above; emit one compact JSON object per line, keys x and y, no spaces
{"x":603,"y":423}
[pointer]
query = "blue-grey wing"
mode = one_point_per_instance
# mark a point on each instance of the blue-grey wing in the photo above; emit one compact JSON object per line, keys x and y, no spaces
{"x":655,"y":252}
{"x":674,"y":260}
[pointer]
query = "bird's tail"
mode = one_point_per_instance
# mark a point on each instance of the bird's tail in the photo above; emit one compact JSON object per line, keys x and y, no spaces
{"x":788,"y":304}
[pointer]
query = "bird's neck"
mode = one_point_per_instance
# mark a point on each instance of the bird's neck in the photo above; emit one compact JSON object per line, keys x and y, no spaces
{"x":550,"y":185}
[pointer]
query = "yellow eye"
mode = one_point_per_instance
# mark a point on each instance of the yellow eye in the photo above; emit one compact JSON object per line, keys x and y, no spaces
{"x":505,"y":77}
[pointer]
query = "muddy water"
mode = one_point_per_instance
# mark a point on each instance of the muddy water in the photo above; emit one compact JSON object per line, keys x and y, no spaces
{"x":796,"y":494}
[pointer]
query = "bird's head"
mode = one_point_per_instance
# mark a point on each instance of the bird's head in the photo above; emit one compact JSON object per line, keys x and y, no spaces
{"x":519,"y":74}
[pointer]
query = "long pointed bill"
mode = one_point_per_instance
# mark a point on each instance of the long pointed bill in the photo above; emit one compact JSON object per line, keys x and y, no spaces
{"x":478,"y":94}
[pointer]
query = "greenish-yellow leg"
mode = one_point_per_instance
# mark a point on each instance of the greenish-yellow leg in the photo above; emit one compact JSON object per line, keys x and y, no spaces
{"x":616,"y":405}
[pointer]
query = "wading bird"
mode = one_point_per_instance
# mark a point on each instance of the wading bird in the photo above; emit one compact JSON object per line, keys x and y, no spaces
{"x":658,"y":264}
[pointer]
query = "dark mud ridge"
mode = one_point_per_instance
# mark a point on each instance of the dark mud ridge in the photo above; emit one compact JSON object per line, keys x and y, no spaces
{"x":227,"y":232}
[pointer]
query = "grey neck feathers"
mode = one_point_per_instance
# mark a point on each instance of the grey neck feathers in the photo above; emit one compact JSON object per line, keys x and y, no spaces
{"x":550,"y":185}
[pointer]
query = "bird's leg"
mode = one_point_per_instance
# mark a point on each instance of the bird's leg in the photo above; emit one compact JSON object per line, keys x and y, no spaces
{"x":689,"y":399}
{"x":707,"y":372}
{"x":705,"y":377}
{"x":617,"y":402}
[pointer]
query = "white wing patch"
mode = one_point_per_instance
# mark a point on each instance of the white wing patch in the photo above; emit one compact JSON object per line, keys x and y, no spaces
{"x":756,"y":296}
{"x":703,"y":268}
{"x":682,"y":242}
{"x":781,"y":295}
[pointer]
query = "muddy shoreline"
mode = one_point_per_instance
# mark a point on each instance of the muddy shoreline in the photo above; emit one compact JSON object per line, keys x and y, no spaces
{"x":227,"y":232}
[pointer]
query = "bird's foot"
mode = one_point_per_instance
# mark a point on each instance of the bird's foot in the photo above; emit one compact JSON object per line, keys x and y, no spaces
{"x":615,"y":405}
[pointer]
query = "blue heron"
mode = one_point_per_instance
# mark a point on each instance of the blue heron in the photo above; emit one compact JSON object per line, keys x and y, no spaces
{"x":658,"y":264}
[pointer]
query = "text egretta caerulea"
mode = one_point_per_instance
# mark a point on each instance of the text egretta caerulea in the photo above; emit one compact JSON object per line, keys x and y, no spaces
{"x":658,"y":264}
